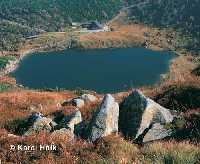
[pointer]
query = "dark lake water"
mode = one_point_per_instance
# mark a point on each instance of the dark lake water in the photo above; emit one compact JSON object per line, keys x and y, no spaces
{"x":106,"y":70}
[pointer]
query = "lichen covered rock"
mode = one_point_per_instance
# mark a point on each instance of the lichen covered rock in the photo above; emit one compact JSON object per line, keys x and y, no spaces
{"x":39,"y":123}
{"x":88,"y":97}
{"x":79,"y":103}
{"x":71,"y":120}
{"x":140,"y":116}
{"x":105,"y":120}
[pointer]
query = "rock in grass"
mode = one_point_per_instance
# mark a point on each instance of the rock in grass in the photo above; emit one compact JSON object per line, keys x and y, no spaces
{"x":143,"y":119}
{"x":34,"y":116}
{"x":88,"y":97}
{"x":39,"y":124}
{"x":79,"y":103}
{"x":70,"y":121}
{"x":66,"y":103}
{"x":157,"y":132}
{"x":105,"y":120}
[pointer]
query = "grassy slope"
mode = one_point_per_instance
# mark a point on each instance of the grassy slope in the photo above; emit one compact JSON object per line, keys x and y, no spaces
{"x":112,"y":149}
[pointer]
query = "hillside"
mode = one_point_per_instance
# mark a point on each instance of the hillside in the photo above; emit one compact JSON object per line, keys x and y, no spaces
{"x":150,"y":124}
{"x":52,"y":15}
{"x":183,"y":16}
{"x":21,"y":18}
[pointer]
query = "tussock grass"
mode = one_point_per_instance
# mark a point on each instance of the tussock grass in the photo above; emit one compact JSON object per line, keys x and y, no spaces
{"x":172,"y":152}
{"x":111,"y":149}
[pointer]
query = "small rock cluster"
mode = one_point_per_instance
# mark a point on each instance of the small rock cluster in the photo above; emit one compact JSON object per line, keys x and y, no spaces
{"x":37,"y":122}
{"x":138,"y":118}
{"x":79,"y":102}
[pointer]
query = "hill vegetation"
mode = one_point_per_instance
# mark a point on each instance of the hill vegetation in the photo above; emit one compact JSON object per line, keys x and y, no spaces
{"x":22,"y":18}
{"x":183,"y":16}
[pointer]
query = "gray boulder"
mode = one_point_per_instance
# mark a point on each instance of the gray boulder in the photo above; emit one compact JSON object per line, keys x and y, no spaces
{"x":88,"y":97}
{"x":143,"y":119}
{"x":70,"y":121}
{"x":39,"y":124}
{"x":34,"y":116}
{"x":66,"y":103}
{"x":105,"y":120}
{"x":79,"y":103}
{"x":157,"y":132}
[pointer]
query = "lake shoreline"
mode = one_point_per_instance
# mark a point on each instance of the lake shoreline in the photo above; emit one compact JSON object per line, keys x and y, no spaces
{"x":13,"y":65}
{"x":63,"y":41}
{"x":133,"y":65}
{"x":31,"y":48}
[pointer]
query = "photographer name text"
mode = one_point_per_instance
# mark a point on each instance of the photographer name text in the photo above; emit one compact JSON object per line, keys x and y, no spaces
{"x":50,"y":147}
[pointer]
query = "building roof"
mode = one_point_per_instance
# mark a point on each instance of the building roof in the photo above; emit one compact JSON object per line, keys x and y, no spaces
{"x":92,"y":25}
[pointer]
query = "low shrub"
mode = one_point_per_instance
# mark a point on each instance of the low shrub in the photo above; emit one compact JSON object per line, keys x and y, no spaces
{"x":179,"y":98}
{"x":4,"y":61}
{"x":4,"y":87}
{"x":196,"y":71}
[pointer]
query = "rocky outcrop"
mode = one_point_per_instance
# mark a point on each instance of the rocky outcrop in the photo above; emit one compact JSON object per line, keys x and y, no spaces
{"x":143,"y":119}
{"x":88,"y":97}
{"x":139,"y":118}
{"x":70,"y":121}
{"x":105,"y":120}
{"x":39,"y":123}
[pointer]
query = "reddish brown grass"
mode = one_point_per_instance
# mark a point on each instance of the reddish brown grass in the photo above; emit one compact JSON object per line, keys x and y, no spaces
{"x":122,"y":37}
{"x":17,"y":104}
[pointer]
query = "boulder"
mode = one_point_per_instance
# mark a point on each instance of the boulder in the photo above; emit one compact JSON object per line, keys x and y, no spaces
{"x":88,"y":97}
{"x":40,"y":124}
{"x":79,"y":103}
{"x":105,"y":120}
{"x":156,"y":132}
{"x":34,"y":116}
{"x":66,"y":103}
{"x":70,"y":121}
{"x":140,"y":116}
